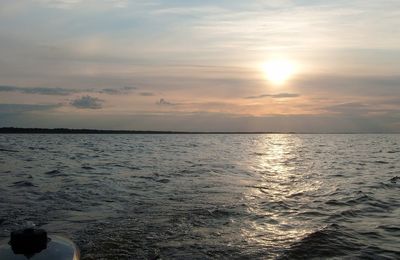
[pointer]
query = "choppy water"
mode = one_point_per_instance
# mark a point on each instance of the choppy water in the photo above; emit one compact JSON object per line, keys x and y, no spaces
{"x":207,"y":196}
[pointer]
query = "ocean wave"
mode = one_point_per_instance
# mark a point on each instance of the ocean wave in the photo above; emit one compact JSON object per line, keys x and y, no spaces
{"x":23,"y":184}
{"x":327,"y":242}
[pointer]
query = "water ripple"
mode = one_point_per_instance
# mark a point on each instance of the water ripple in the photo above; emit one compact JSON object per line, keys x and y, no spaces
{"x":207,"y":196}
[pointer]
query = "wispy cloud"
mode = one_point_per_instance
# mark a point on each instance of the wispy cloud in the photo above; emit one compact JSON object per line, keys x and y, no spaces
{"x":198,"y":10}
{"x":110,"y":91}
{"x":39,"y":90}
{"x":116,"y":91}
{"x":353,"y":108}
{"x":146,"y":94}
{"x":373,"y":107}
{"x":64,"y":91}
{"x":87,"y":102}
{"x":163,"y":102}
{"x":21,"y":108}
{"x":68,"y":4}
{"x":280,"y":95}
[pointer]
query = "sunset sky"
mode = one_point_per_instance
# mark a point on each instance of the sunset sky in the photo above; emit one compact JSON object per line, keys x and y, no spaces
{"x":201,"y":65}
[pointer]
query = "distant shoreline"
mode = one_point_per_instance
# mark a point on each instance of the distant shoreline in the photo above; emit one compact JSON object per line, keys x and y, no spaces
{"x":18,"y":130}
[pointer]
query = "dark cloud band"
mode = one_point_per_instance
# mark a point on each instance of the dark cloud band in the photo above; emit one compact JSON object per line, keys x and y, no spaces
{"x":64,"y":91}
{"x":87,"y":102}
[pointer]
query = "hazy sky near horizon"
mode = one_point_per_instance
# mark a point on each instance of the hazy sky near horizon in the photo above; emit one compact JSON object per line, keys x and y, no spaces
{"x":201,"y":65}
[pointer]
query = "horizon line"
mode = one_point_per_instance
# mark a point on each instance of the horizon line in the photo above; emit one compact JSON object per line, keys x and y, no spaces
{"x":36,"y":130}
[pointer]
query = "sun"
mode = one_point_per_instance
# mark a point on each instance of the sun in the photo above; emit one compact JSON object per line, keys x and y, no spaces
{"x":278,"y":71}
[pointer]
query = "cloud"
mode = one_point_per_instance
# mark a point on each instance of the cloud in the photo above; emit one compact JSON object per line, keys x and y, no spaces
{"x":164,"y":102}
{"x":39,"y":90}
{"x":117,"y":91}
{"x":21,"y":108}
{"x":64,"y":91}
{"x":364,"y":109}
{"x":110,"y":91}
{"x":349,"y":82}
{"x":146,"y":94}
{"x":280,"y":95}
{"x":69,"y":4}
{"x":357,"y":109}
{"x":87,"y":102}
{"x":197,"y":10}
{"x":129,"y":88}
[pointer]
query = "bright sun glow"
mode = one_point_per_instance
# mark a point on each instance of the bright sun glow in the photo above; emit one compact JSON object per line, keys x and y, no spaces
{"x":278,"y":71}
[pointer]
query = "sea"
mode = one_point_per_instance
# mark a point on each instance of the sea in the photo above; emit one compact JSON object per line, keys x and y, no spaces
{"x":207,"y":196}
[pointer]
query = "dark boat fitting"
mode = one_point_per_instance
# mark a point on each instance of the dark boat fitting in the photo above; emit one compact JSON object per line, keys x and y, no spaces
{"x":35,"y":244}
{"x":28,"y":241}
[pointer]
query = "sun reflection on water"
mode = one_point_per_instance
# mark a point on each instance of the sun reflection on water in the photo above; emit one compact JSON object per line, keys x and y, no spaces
{"x":276,"y":200}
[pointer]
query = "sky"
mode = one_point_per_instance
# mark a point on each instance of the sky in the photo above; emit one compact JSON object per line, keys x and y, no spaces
{"x":201,"y":65}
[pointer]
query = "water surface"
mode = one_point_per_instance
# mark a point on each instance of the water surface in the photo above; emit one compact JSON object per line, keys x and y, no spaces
{"x":207,"y":196}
